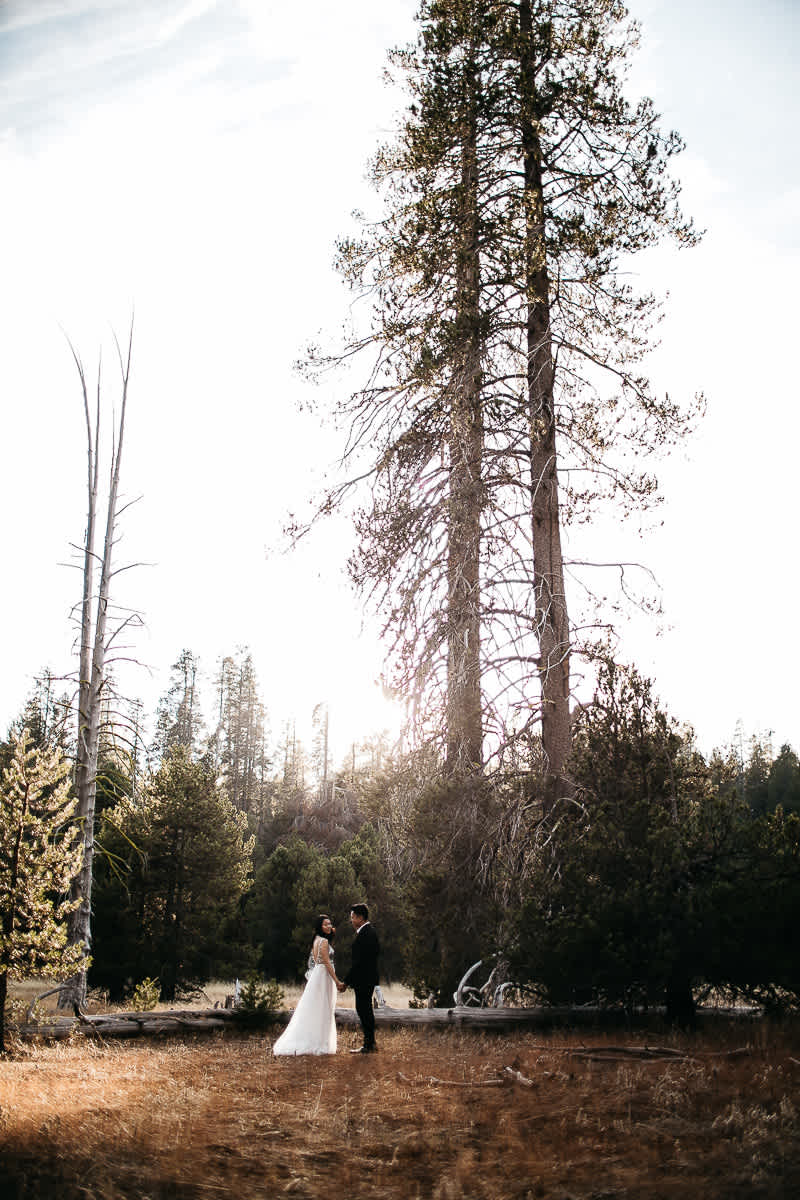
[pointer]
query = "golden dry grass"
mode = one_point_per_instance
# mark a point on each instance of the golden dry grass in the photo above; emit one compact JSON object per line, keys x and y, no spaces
{"x":219,"y":1117}
{"x":214,"y":992}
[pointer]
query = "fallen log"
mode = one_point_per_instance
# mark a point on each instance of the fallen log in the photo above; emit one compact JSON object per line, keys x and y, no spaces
{"x":648,"y":1053}
{"x":501,"y":1020}
{"x":49,"y":1032}
{"x":619,"y":1053}
{"x":135,"y":1024}
{"x":222,"y":1015}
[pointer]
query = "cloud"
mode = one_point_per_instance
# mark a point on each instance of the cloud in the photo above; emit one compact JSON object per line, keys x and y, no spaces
{"x":190,"y":12}
{"x":84,"y":59}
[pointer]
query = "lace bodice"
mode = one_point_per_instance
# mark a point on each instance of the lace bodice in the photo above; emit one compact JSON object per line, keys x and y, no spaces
{"x":315,"y":962}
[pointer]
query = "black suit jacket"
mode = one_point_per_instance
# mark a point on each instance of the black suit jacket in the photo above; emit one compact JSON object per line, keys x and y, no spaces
{"x":363,"y":972}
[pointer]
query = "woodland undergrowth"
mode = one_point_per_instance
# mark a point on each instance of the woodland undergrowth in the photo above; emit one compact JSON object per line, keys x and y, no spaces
{"x":438,"y":1115}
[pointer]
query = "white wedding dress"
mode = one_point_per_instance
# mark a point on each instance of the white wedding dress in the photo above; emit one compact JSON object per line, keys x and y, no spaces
{"x":312,"y":1028}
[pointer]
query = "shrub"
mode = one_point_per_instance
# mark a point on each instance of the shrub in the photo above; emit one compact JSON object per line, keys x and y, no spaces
{"x":145,"y":995}
{"x":259,"y":997}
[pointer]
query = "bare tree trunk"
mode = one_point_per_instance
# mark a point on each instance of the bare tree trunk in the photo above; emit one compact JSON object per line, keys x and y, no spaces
{"x":135,"y":748}
{"x":464,"y":718}
{"x":552,"y":623}
{"x":94,"y":645}
{"x":3,"y":993}
{"x":325,"y":758}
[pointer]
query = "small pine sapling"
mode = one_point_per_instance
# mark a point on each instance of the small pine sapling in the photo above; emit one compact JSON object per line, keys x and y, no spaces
{"x":40,"y":854}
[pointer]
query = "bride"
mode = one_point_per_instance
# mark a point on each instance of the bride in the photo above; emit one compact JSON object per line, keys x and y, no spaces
{"x":312,"y":1028}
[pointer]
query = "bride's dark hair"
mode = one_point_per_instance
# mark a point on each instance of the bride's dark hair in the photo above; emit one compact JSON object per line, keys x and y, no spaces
{"x":318,"y":928}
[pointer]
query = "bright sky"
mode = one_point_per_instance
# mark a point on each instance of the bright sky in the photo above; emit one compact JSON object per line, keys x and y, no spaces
{"x":196,"y":161}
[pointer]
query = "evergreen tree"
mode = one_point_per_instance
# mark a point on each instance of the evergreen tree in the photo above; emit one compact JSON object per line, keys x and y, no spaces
{"x":656,"y":879}
{"x":179,"y":721}
{"x":299,"y":880}
{"x":505,"y":395}
{"x":40,"y":854}
{"x":327,"y":885}
{"x":451,"y":826}
{"x":321,"y":756}
{"x":178,"y":864}
{"x":752,"y":897}
{"x":387,"y":905}
{"x":119,"y":752}
{"x":47,"y":716}
{"x":271,"y":907}
{"x":783,"y":784}
{"x":292,"y":796}
{"x":756,"y":775}
{"x":239,"y":745}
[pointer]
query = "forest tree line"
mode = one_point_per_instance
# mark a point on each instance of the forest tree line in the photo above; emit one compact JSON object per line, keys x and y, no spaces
{"x":668,"y":874}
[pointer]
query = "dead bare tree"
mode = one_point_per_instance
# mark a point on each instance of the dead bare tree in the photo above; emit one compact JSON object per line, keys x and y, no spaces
{"x":96,"y":639}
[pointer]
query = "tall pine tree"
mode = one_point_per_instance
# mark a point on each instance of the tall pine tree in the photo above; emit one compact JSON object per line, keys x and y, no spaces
{"x":504,"y":395}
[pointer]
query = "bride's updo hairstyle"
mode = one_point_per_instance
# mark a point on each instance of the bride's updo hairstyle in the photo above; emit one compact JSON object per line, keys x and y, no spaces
{"x":318,"y":928}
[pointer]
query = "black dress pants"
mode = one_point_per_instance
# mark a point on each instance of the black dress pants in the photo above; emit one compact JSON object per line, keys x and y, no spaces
{"x":366,"y":1013}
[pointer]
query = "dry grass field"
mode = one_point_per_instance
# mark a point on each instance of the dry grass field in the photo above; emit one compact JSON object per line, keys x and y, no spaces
{"x":432,"y":1115}
{"x":213,"y":993}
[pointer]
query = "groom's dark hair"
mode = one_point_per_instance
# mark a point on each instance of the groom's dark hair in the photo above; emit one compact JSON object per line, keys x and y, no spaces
{"x":360,"y":910}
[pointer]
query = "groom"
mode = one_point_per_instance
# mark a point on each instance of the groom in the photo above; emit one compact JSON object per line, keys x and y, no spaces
{"x":363,"y":974}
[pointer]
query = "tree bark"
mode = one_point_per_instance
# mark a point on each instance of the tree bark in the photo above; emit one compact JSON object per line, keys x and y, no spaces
{"x":464,"y":718}
{"x":550,"y":604}
{"x":681,"y":1010}
{"x":3,"y":994}
{"x":92,"y":674}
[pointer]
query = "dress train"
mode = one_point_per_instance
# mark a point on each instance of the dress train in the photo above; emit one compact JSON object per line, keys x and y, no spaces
{"x":312,"y":1028}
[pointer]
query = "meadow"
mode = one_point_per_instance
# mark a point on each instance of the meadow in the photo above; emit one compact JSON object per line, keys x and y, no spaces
{"x":435,"y":1114}
{"x":213,"y":993}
